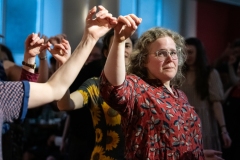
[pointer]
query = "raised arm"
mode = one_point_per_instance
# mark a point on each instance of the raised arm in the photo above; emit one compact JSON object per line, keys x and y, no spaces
{"x":33,"y":46}
{"x":114,"y":68}
{"x":43,"y":64}
{"x":65,"y":103}
{"x":28,"y":72}
{"x":15,"y":72}
{"x":59,"y":82}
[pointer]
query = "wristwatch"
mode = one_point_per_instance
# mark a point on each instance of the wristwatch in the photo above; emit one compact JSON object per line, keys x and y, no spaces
{"x":33,"y":66}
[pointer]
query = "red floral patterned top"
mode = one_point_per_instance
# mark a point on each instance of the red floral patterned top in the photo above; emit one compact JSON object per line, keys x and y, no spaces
{"x":157,"y":125}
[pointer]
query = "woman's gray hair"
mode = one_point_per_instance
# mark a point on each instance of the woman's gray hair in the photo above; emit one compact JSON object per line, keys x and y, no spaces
{"x":138,"y":58}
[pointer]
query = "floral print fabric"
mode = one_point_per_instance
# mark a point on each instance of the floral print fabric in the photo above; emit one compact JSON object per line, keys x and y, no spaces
{"x":157,"y":125}
{"x":109,"y":143}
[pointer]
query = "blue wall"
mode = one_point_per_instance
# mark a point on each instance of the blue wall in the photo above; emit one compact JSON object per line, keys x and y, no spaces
{"x":23,"y":17}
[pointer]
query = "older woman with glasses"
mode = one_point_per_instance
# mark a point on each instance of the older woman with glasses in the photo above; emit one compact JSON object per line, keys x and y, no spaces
{"x":157,"y":120}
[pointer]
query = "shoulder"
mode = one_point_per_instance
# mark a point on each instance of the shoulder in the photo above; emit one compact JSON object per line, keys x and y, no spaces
{"x":134,"y":78}
{"x":214,"y":74}
{"x":90,"y":85}
{"x":91,"y":81}
{"x":214,"y":71}
{"x":181,"y":94}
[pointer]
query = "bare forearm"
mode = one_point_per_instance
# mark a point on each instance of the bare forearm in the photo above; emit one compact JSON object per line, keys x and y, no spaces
{"x":43,"y":70}
{"x":65,"y":103}
{"x":115,"y":65}
{"x":67,"y":73}
{"x":218,"y":111}
{"x":59,"y":82}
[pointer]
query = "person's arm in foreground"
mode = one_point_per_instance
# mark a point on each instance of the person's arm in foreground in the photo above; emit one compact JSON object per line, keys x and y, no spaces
{"x":59,"y":82}
{"x":114,"y":68}
{"x":68,"y":101}
{"x":65,"y":103}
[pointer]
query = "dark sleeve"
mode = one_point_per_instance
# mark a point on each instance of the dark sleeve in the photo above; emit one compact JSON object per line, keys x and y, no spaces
{"x":28,"y":76}
{"x":90,"y":91}
{"x":14,"y":100}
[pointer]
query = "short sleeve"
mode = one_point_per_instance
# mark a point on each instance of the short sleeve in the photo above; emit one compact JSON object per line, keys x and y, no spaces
{"x":119,"y":97}
{"x":28,"y":76}
{"x":14,"y":100}
{"x":90,"y":89}
{"x":215,"y":87}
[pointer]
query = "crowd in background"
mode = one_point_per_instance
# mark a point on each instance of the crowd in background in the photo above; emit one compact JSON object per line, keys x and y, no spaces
{"x":87,"y":124}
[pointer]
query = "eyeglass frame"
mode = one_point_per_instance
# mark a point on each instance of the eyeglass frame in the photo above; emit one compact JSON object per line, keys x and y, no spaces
{"x":163,"y":58}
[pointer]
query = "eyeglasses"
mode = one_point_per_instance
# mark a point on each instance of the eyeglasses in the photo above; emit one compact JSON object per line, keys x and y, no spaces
{"x":163,"y":54}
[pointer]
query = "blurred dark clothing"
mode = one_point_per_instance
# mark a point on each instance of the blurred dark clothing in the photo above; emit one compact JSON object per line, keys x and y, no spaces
{"x":224,"y":73}
{"x":3,"y":76}
{"x":231,"y":108}
{"x":81,"y":131}
{"x":93,"y":69}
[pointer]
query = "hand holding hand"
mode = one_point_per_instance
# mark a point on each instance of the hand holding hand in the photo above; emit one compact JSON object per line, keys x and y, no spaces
{"x":43,"y":52}
{"x":101,"y":24}
{"x":126,"y":26}
{"x":57,"y":39}
{"x":34,"y":45}
{"x":61,"y":52}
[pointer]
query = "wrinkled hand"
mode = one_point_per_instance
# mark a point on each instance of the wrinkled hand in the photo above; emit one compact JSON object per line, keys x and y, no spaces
{"x":34,"y":45}
{"x":101,"y":24}
{"x":126,"y":26}
{"x":227,"y":140}
{"x":61,"y":52}
{"x":212,"y":155}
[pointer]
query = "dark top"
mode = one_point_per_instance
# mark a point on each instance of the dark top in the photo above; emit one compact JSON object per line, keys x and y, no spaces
{"x":81,"y":124}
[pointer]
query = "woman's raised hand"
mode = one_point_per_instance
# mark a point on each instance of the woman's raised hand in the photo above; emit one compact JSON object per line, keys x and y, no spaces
{"x":101,"y":24}
{"x":126,"y":26}
{"x":61,"y":51}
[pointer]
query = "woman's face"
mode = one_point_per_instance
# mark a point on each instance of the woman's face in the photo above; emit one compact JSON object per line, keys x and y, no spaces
{"x":165,"y":70}
{"x":191,"y":55}
{"x":128,"y":49}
